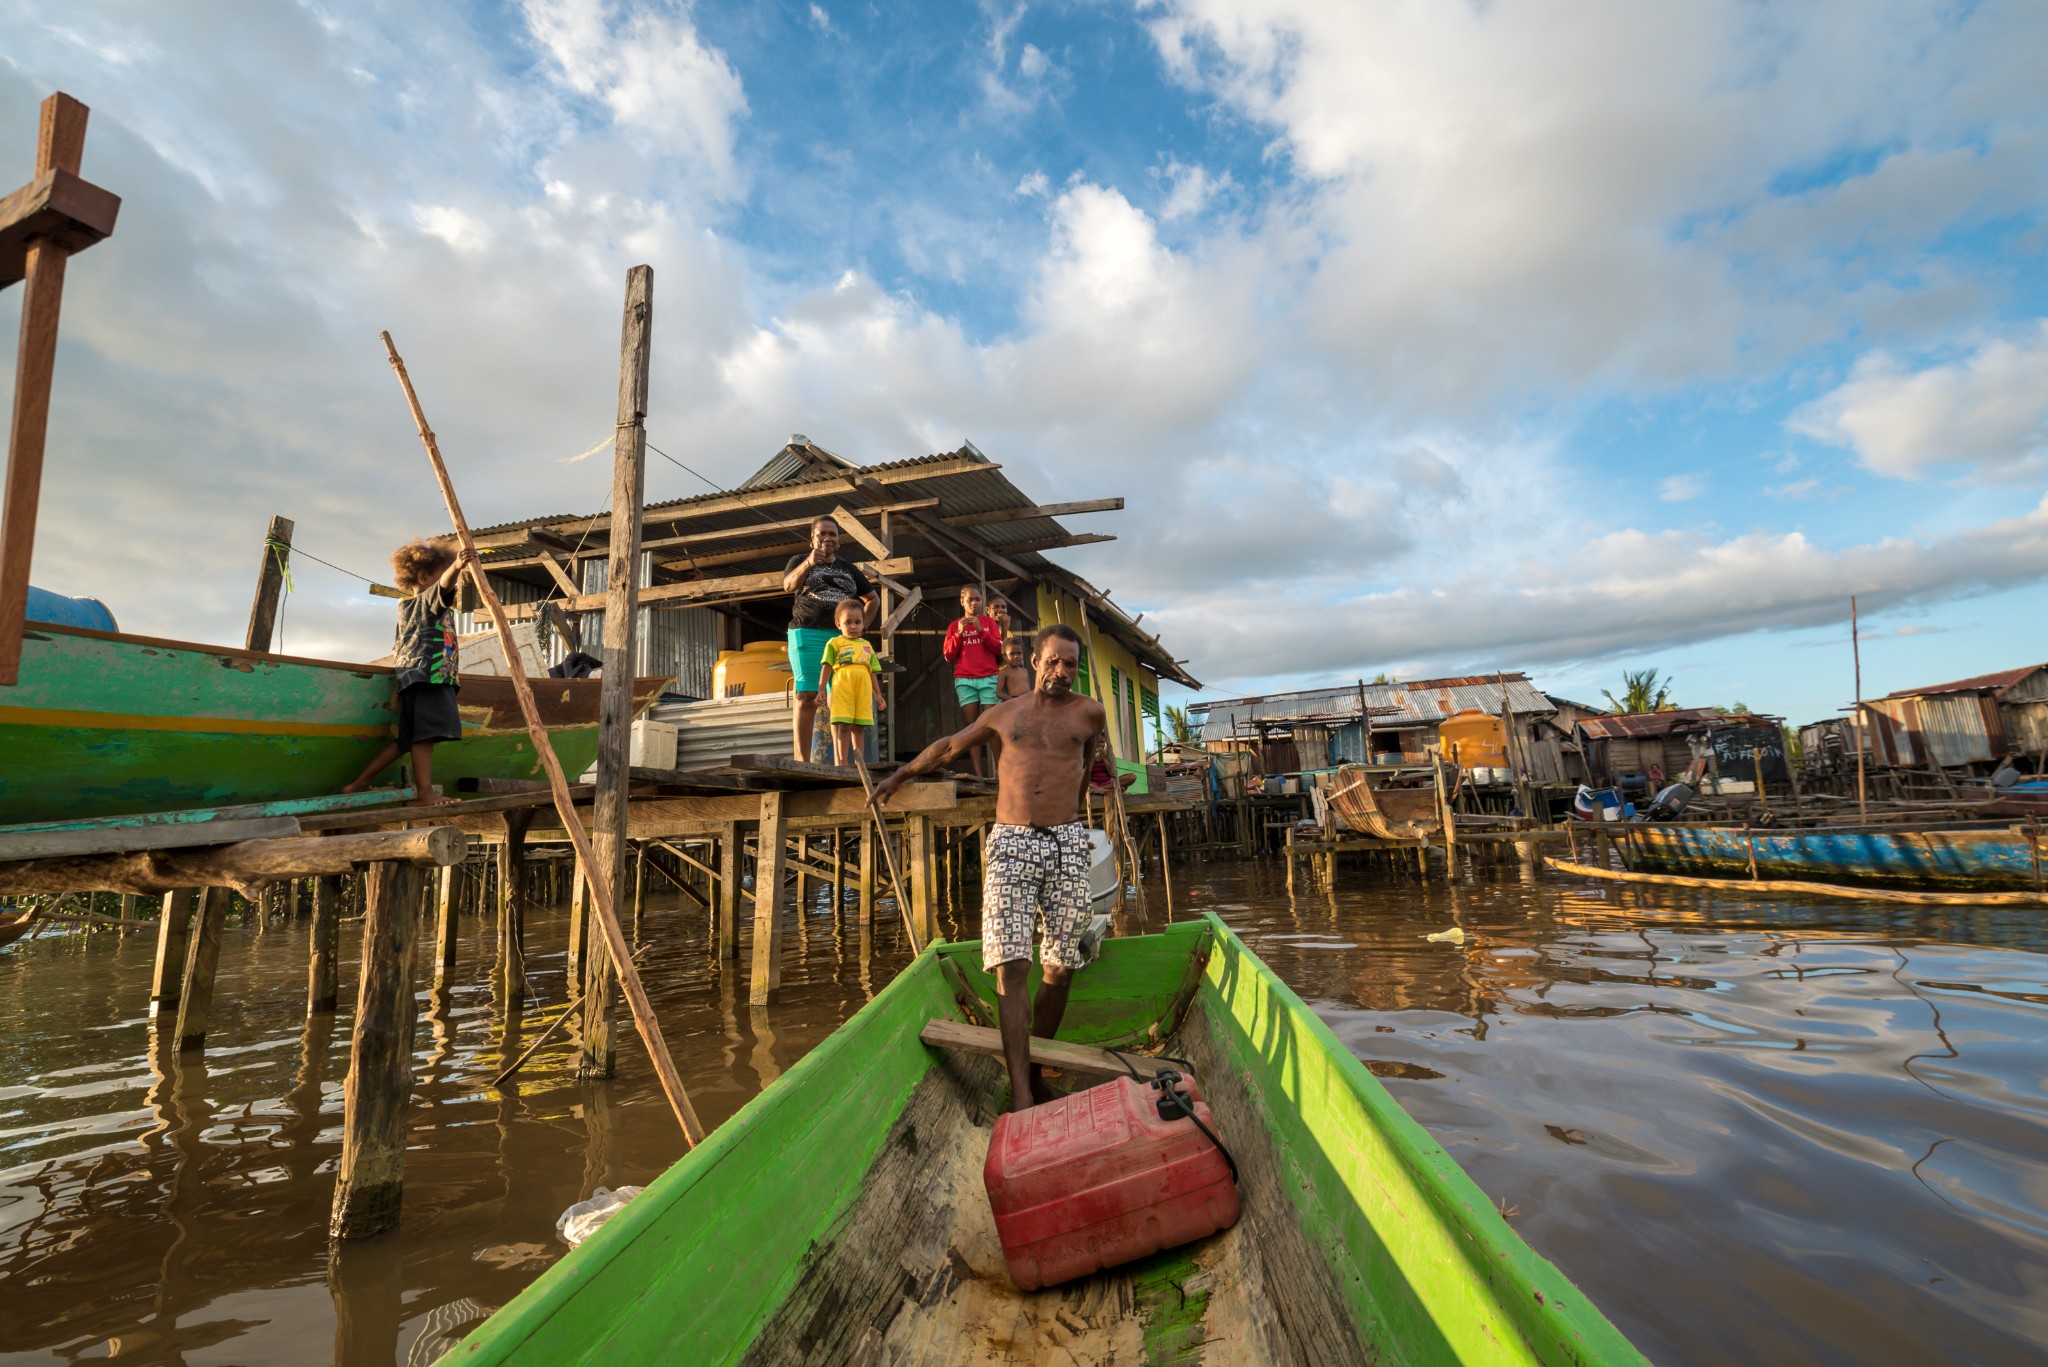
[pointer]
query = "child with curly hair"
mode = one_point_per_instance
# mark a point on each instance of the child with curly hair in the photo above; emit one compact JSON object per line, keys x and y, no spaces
{"x":427,"y":568}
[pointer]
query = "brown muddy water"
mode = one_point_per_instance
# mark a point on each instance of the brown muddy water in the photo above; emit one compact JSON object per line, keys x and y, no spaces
{"x":1752,"y":1130}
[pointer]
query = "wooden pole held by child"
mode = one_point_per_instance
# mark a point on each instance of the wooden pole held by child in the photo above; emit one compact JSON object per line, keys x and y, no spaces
{"x":600,"y":887}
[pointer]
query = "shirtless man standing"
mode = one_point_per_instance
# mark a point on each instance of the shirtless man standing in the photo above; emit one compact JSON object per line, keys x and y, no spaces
{"x":1036,"y":862}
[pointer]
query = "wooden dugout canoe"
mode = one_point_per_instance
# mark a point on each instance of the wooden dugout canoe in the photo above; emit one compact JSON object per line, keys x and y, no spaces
{"x":108,"y":724}
{"x":840,"y":1219}
{"x":2002,"y":858}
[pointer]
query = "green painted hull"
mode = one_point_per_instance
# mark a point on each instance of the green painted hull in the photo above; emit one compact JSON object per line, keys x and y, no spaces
{"x":109,"y":725}
{"x":792,"y":1235}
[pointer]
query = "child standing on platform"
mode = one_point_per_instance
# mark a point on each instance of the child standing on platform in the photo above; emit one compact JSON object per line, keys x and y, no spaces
{"x":427,"y":658}
{"x":850,"y":684}
{"x":1014,"y":679}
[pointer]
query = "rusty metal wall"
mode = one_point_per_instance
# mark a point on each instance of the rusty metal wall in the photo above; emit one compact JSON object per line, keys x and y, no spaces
{"x":1953,"y":725}
{"x":2026,"y":727}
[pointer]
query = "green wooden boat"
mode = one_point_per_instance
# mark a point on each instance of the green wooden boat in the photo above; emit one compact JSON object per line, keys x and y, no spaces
{"x":106,"y":724}
{"x":840,"y":1219}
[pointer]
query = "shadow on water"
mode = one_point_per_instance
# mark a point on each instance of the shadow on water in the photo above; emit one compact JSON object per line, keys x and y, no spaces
{"x":1752,"y":1130}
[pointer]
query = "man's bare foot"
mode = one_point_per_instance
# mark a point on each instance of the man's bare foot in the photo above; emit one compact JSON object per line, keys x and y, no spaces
{"x":434,"y":800}
{"x":359,"y":786}
{"x":1040,"y":1092}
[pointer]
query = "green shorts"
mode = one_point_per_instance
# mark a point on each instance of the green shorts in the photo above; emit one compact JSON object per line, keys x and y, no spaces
{"x":807,"y":655}
{"x":982,"y":691}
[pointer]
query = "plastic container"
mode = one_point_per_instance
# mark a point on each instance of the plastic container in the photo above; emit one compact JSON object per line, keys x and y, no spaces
{"x":1473,"y":738}
{"x":762,"y":667}
{"x":57,"y":610}
{"x":1098,"y":1178}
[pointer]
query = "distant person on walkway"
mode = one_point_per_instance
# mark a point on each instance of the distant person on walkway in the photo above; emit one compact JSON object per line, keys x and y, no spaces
{"x":1035,"y":864}
{"x":852,"y":688}
{"x":1014,"y":679}
{"x":974,"y":647}
{"x":819,"y":582}
{"x":427,"y":659}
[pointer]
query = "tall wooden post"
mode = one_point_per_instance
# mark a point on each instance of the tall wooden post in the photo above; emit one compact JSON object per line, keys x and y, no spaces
{"x":870,"y":836}
{"x":579,"y":928}
{"x":838,"y":870}
{"x":270,"y":576}
{"x":167,"y":982}
{"x":728,"y":893}
{"x":366,"y":1193}
{"x":202,"y":962}
{"x":924,"y":912}
{"x":768,"y":867}
{"x":447,"y":915}
{"x":323,"y":976}
{"x":510,"y":970}
{"x":41,"y":225}
{"x":615,"y":699}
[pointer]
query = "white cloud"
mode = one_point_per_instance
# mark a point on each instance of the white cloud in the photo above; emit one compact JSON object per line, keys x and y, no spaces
{"x":1987,"y":412}
{"x":821,"y":20}
{"x":1192,"y":189}
{"x":459,"y":228}
{"x":1034,"y":186}
{"x":1681,"y":488}
{"x":1032,"y":64}
{"x":656,"y":76}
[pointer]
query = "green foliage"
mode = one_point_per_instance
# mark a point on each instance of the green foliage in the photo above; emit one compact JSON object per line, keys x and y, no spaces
{"x":1180,"y":729}
{"x":1642,"y":691}
{"x":1381,"y":678}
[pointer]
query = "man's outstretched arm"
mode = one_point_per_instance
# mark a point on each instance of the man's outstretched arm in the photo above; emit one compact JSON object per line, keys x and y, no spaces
{"x":976,"y":732}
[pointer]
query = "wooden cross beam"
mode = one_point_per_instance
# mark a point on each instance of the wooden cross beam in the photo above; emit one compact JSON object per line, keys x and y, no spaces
{"x":41,"y":225}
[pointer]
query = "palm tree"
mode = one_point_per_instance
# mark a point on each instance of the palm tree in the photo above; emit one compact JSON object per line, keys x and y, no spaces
{"x":1179,"y":729}
{"x":1641,"y":691}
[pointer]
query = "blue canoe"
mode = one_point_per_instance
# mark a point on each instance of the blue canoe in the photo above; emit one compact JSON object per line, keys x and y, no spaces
{"x":1980,"y":858}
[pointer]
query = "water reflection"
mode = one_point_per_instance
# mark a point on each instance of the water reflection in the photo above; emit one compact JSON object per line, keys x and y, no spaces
{"x":1751,"y":1130}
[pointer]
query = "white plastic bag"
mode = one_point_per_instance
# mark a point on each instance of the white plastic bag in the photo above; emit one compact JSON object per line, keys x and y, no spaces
{"x":583,"y":1219}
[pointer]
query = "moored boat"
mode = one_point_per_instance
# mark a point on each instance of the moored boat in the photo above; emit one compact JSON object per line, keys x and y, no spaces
{"x":2001,"y":857}
{"x":1388,"y":813}
{"x":108,"y":724}
{"x":840,"y":1216}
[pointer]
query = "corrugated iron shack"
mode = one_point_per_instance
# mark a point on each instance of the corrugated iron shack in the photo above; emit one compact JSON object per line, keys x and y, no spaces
{"x":1656,"y":746}
{"x":712,"y":564}
{"x":1381,"y":723}
{"x":1968,"y":724}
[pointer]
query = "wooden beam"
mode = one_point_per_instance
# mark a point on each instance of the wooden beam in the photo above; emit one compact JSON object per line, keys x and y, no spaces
{"x":167,"y":982}
{"x":202,"y":965}
{"x":728,"y":891}
{"x":850,"y":524}
{"x":447,"y":917}
{"x":368,"y":1188}
{"x":941,"y":1033}
{"x":903,"y":610}
{"x":245,"y":866}
{"x":45,"y":844}
{"x":756,"y":499}
{"x":1089,"y":505}
{"x":561,"y":577}
{"x":323,"y":975}
{"x":698,"y":592}
{"x":276,"y":553}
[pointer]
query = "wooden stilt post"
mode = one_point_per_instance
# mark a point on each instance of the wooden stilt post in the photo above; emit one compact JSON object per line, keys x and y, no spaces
{"x":615,"y":703}
{"x":924,"y":911}
{"x":869,"y":835}
{"x":803,"y":872}
{"x":366,"y":1193}
{"x":323,"y":972}
{"x":729,"y":892}
{"x":510,"y":979}
{"x":579,"y":930}
{"x":270,"y":578}
{"x":202,"y":961}
{"x":48,"y":219}
{"x":172,"y":931}
{"x":838,"y":870}
{"x":769,"y":861}
{"x":447,"y":909}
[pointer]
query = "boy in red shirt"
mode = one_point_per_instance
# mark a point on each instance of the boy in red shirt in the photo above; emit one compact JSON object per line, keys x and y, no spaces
{"x":974,"y":647}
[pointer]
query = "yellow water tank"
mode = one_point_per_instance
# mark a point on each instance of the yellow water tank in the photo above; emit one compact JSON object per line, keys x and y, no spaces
{"x":763,"y":667}
{"x":1473,"y":739}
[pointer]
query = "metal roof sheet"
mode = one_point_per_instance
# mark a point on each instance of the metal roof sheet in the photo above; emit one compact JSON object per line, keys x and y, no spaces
{"x":1675,"y":721}
{"x":1982,"y":683}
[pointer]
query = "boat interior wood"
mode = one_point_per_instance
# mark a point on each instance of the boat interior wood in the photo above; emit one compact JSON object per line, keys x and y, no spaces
{"x":1086,"y":1059}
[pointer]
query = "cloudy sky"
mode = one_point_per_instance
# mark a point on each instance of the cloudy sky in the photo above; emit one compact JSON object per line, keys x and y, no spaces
{"x":1557,"y":335}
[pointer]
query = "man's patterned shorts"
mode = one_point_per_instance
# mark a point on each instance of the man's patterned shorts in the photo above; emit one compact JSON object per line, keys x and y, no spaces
{"x":1028,"y":871}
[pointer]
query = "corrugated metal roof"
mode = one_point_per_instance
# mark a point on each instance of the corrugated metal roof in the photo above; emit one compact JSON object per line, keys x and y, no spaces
{"x":1421,"y":703}
{"x":1637,"y":725}
{"x":1982,"y":683}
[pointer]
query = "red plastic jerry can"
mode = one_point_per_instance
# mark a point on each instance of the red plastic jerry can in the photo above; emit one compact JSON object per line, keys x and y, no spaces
{"x":1101,"y":1177}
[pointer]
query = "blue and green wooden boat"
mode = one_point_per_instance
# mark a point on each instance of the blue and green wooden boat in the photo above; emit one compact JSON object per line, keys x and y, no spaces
{"x":105,"y":724}
{"x":840,"y":1218}
{"x":1979,"y":858}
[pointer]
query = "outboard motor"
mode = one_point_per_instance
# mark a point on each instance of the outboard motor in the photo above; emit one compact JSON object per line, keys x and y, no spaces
{"x":1671,"y":799}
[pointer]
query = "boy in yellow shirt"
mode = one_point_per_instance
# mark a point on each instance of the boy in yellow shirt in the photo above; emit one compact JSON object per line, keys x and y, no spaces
{"x":849,"y":681}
